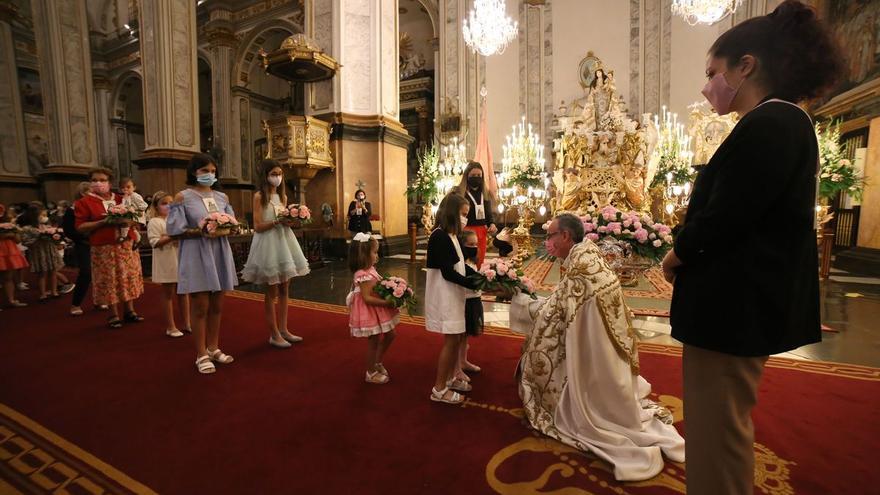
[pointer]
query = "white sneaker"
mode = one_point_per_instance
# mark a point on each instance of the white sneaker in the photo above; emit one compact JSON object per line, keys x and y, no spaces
{"x":23,"y":286}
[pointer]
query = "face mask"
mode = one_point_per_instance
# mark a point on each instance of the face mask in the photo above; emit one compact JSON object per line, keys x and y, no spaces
{"x":275,"y":180}
{"x":720,"y":94}
{"x":469,"y":252}
{"x":163,"y":209}
{"x":100,"y":187}
{"x":361,"y":197}
{"x":206,"y":179}
{"x":463,"y":221}
{"x":44,"y":219}
{"x":475,"y":182}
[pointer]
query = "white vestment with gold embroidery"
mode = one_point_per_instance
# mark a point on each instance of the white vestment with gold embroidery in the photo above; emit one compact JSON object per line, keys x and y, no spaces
{"x":580,"y":380}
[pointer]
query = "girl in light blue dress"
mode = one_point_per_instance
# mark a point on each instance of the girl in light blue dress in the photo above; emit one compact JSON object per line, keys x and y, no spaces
{"x":205,"y":265}
{"x":275,"y":255}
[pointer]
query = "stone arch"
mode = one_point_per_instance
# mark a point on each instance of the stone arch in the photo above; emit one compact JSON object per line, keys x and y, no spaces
{"x":247,"y":56}
{"x":118,"y":108}
{"x":433,"y":13}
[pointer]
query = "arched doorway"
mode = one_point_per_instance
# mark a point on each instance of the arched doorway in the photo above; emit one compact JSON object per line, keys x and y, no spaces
{"x":127,"y":123}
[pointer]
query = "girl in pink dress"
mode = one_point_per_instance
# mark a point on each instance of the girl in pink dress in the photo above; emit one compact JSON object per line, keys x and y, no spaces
{"x":370,"y":315}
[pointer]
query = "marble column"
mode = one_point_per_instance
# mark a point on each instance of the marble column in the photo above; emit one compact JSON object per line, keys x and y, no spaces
{"x":461,"y":72}
{"x":15,"y":181}
{"x":62,"y":37}
{"x":363,"y":102}
{"x":103,"y":112}
{"x":171,"y":114}
{"x":536,"y":65}
{"x":222,"y":45}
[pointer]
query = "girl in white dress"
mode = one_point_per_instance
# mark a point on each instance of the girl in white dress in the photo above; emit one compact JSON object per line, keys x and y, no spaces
{"x":445,"y":292}
{"x":165,"y":263}
{"x":275,"y":255}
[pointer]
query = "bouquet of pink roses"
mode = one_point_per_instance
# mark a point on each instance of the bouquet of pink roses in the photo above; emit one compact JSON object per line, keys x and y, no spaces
{"x":120,"y":213}
{"x":646,"y":237}
{"x":499,"y":275}
{"x":294,"y":212}
{"x":9,"y":228}
{"x":396,"y":291}
{"x":53,"y":234}
{"x":218,"y":224}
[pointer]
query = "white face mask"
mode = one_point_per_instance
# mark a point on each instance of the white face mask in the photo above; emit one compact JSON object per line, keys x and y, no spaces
{"x":463,"y":221}
{"x":275,"y":180}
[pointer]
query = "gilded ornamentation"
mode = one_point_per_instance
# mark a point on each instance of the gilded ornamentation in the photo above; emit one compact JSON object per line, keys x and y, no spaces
{"x":708,"y":130}
{"x":601,"y":154}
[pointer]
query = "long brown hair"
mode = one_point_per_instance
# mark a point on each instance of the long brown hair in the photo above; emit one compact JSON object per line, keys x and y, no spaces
{"x":359,"y":254}
{"x":449,"y":213}
{"x":463,"y":185}
{"x":263,"y":185}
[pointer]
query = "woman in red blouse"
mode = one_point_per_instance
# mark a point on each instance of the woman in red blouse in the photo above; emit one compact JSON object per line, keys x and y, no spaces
{"x":116,"y":265}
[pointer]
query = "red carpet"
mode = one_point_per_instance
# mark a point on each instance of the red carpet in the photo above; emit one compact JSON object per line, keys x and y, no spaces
{"x":303,"y":421}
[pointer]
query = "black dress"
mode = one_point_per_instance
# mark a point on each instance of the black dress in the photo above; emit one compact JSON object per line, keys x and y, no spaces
{"x":359,"y":222}
{"x":473,"y":310}
{"x":749,"y":285}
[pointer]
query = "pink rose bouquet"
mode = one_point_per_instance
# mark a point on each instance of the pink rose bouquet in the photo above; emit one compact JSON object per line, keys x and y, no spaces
{"x":295,"y":212}
{"x":9,"y":228}
{"x":396,"y":291}
{"x":500,"y":275}
{"x":647,"y":238}
{"x":53,"y":234}
{"x":218,"y":224}
{"x":120,"y":213}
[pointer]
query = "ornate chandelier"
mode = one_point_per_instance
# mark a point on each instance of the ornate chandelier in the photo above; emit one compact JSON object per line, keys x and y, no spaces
{"x":488,"y":30}
{"x":452,"y":163}
{"x":704,"y":11}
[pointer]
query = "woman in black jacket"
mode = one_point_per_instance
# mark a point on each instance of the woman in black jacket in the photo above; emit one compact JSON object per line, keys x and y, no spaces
{"x":744,"y":263}
{"x":359,"y":212}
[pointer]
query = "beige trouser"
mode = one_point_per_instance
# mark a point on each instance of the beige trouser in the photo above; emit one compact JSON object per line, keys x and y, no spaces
{"x":720,"y":391}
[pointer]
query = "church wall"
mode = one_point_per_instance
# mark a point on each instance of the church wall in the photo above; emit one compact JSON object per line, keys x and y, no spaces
{"x":688,"y":63}
{"x":502,"y":74}
{"x":869,"y":223}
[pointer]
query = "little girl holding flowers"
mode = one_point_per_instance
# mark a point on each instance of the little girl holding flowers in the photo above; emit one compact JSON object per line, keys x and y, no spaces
{"x":275,"y":256}
{"x":370,"y":315}
{"x":206,"y":268}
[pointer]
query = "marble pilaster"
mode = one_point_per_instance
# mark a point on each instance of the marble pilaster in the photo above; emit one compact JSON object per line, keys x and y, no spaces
{"x":319,"y":26}
{"x":62,"y":37}
{"x":536,"y":65}
{"x":650,"y":55}
{"x":222,"y":47}
{"x":13,"y":153}
{"x":460,"y":72}
{"x":168,"y":57}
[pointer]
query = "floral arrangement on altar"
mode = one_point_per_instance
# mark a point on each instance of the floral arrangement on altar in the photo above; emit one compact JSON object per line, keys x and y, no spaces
{"x":218,"y":224}
{"x":647,"y":238}
{"x":427,"y":178}
{"x":396,"y":291}
{"x":836,"y":174}
{"x":294,"y":212}
{"x":498,"y":274}
{"x":120,"y":213}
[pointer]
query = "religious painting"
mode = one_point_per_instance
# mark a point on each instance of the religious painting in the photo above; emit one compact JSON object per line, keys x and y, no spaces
{"x":37,"y":142}
{"x":31,"y":91}
{"x":856,"y":23}
{"x":587,"y":69}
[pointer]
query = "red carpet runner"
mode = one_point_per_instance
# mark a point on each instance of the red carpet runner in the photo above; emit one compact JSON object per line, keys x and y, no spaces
{"x":83,"y":404}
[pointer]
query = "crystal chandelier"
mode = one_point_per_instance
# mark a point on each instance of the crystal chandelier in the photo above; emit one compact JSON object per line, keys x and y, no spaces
{"x":488,"y":30}
{"x":452,"y":164}
{"x":704,"y":11}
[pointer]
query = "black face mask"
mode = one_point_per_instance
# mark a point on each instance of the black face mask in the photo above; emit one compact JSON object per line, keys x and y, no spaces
{"x":470,"y":253}
{"x":475,"y":182}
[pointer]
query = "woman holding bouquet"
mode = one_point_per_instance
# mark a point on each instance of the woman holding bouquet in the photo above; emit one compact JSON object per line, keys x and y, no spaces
{"x":205,"y":268}
{"x":116,"y":267}
{"x":275,"y":255}
{"x":41,"y":249}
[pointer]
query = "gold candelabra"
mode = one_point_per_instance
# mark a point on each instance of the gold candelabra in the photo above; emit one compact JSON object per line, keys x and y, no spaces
{"x":523,"y":183}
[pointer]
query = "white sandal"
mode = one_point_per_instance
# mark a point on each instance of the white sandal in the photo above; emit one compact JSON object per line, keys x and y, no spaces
{"x":459,"y":385}
{"x":381,"y":369}
{"x":376,"y":378}
{"x":440,"y":396}
{"x":219,"y":357}
{"x":173,"y":332}
{"x":293,"y":339}
{"x":204,"y":365}
{"x":283,"y":344}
